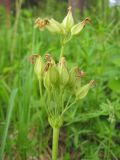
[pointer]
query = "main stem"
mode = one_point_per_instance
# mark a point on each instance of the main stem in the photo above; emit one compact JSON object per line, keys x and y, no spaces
{"x":56,"y":132}
{"x":62,"y":50}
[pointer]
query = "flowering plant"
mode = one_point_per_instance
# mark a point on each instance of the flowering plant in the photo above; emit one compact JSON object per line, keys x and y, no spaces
{"x":61,"y":85}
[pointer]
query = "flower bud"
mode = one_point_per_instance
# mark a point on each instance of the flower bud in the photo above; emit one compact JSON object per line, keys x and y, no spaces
{"x":68,"y":21}
{"x":39,"y":67}
{"x":55,"y":27}
{"x":46,"y":81}
{"x":72,"y":76}
{"x":84,"y":90}
{"x":79,"y":75}
{"x":76,"y":29}
{"x":51,"y":75}
{"x":75,"y":79}
{"x":64,"y":75}
{"x":54,"y":75}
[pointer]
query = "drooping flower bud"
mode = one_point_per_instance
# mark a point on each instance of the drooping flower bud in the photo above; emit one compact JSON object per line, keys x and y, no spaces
{"x":84,"y":90}
{"x":55,"y":27}
{"x":64,"y":75}
{"x":39,"y":67}
{"x":68,"y":21}
{"x":76,"y":29}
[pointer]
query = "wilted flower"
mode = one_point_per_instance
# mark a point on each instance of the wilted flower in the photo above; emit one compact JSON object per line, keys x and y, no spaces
{"x":41,"y":23}
{"x":49,"y":59}
{"x":33,"y":58}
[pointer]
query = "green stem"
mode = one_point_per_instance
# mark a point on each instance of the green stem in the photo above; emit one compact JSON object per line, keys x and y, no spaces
{"x":68,"y":107}
{"x":40,"y":87}
{"x":56,"y":132}
{"x":63,"y":42}
{"x":62,"y":50}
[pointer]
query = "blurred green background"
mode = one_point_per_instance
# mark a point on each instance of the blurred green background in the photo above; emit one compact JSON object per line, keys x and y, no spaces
{"x":91,"y":129}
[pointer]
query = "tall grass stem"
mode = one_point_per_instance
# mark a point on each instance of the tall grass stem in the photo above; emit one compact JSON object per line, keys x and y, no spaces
{"x":7,"y":123}
{"x":15,"y":28}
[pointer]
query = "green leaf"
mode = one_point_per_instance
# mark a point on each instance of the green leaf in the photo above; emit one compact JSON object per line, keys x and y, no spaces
{"x":115,"y":85}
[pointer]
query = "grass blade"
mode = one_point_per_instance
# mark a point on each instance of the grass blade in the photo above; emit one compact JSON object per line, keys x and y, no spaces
{"x":9,"y":113}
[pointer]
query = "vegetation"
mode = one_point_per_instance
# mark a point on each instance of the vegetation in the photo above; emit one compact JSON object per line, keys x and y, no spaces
{"x":91,"y":127}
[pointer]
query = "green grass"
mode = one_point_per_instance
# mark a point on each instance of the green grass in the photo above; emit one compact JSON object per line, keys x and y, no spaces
{"x":91,"y":128}
{"x":7,"y":122}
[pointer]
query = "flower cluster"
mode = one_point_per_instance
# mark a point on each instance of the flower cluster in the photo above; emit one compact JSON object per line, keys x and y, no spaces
{"x":66,"y":27}
{"x":60,"y":81}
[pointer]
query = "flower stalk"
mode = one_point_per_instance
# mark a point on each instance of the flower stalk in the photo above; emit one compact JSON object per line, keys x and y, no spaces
{"x":62,"y":50}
